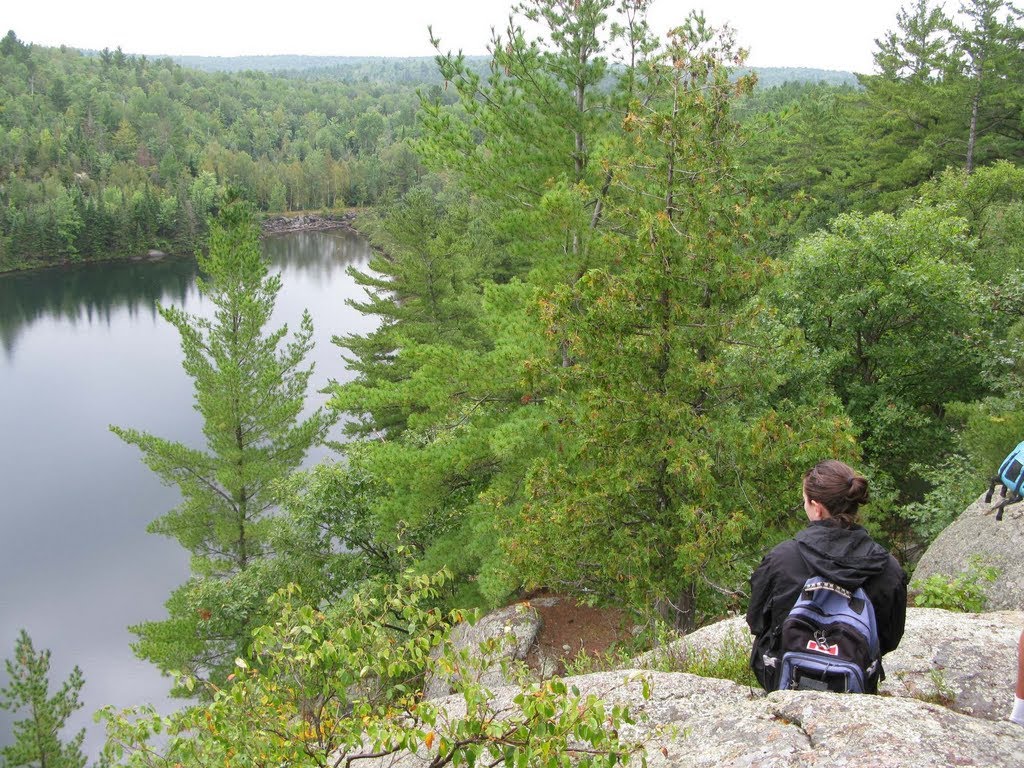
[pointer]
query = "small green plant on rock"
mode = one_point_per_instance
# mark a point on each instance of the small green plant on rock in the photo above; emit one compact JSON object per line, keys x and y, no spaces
{"x":583,"y":663}
{"x":964,"y":593}
{"x":943,"y":693}
{"x":728,"y":661}
{"x":940,"y":692}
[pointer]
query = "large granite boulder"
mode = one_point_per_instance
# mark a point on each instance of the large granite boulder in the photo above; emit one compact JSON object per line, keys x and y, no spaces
{"x":948,"y":690}
{"x":976,"y":534}
{"x":965,"y":661}
{"x":514,"y":628}
{"x":694,"y":722}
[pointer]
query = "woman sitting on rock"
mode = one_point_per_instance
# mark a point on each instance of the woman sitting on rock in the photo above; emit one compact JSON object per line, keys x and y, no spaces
{"x":832,"y":546}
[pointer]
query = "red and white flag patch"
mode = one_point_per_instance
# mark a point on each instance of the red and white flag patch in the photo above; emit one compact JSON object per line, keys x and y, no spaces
{"x":831,"y":650}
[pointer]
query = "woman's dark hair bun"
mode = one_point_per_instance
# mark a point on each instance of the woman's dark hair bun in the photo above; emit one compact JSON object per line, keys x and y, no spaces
{"x":858,"y":492}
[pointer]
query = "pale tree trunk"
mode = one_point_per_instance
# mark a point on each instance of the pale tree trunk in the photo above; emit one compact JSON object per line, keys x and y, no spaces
{"x":979,"y":80}
{"x":972,"y":135}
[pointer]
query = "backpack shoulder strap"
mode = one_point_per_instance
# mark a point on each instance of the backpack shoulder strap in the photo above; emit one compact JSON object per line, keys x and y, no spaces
{"x":816,"y":582}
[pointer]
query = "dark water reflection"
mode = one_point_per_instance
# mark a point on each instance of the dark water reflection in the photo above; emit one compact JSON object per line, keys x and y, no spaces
{"x":90,"y":293}
{"x":83,"y":348}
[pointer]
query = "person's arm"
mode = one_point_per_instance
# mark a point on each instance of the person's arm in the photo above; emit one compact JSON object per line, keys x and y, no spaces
{"x":1020,"y":666}
{"x":892,"y":620}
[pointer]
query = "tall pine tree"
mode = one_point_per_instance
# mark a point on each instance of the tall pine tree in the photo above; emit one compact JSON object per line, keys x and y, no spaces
{"x":250,"y":389}
{"x":610,"y":378}
{"x":991,"y":47}
{"x":523,"y":145}
{"x":680,"y":431}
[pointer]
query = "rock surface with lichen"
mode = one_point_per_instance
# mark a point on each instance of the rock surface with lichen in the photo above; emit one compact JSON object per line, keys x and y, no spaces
{"x":966,"y":661}
{"x":948,"y":688}
{"x":696,"y":722}
{"x":514,"y":628}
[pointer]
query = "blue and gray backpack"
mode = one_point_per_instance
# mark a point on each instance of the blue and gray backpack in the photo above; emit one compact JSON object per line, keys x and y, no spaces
{"x":830,"y":640}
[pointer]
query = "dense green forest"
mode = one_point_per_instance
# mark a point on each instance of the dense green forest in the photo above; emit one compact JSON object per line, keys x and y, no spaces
{"x":111,"y":155}
{"x":423,"y":69}
{"x":629,"y":315}
{"x":107,"y":155}
{"x":625,"y":298}
{"x":632,"y":316}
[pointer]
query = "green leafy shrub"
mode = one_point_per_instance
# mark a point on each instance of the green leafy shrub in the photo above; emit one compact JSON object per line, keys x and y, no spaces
{"x":332,"y":688}
{"x":964,"y":593}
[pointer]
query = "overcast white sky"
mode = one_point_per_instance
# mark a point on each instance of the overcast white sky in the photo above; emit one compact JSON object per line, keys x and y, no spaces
{"x":830,"y":34}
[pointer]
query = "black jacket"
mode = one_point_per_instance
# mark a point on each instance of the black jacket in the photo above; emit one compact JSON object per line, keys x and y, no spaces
{"x":846,"y":556}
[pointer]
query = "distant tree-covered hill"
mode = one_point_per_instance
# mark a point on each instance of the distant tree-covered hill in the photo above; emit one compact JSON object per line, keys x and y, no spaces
{"x":423,"y":69}
{"x":413,"y":69}
{"x":770,"y":77}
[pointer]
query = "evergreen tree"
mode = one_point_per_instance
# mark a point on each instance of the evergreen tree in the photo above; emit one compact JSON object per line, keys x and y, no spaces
{"x":809,"y":154}
{"x":327,"y":538}
{"x":618,"y":276}
{"x":524,"y":145}
{"x":424,"y":286}
{"x":250,"y":390}
{"x":943,"y":94}
{"x":37,"y":739}
{"x":918,"y":50}
{"x":992,"y":50}
{"x":679,"y":443}
{"x":536,"y":120}
{"x":908,"y":127}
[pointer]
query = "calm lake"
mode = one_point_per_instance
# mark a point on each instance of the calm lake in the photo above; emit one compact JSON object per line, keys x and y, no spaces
{"x":82,"y":348}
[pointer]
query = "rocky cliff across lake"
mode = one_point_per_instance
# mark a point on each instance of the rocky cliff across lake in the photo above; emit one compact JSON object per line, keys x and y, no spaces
{"x":308,"y":222}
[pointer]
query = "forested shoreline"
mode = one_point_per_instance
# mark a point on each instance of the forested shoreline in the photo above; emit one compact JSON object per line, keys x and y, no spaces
{"x":625,"y":300}
{"x":108,"y":155}
{"x":115,"y":155}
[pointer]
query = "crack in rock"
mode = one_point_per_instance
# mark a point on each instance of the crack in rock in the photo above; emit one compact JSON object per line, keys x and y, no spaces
{"x":778,"y":717}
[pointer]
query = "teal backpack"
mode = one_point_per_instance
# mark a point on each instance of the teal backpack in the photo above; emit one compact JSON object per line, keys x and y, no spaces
{"x":1011,"y":477}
